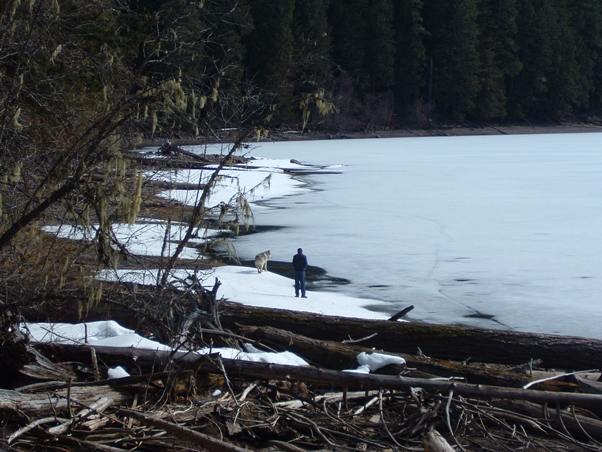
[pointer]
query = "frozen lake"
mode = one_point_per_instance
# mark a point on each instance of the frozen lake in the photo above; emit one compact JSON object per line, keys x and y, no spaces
{"x":494,"y":231}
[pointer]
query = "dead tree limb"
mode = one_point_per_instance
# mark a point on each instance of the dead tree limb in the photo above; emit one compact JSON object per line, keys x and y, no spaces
{"x":200,"y":439}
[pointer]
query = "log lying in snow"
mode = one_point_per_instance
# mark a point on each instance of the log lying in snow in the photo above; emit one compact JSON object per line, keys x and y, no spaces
{"x":246,"y":370}
{"x":441,"y":341}
{"x":335,"y":355}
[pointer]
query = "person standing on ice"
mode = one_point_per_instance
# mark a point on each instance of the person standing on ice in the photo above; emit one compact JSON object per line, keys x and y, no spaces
{"x":300,"y":265}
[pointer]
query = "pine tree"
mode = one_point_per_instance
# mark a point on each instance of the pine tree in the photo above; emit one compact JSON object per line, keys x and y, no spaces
{"x":453,"y":49}
{"x":565,"y":93}
{"x":379,"y":56}
{"x":349,"y":29}
{"x":586,"y":21}
{"x":498,"y":54}
{"x":410,"y":56}
{"x":269,"y":46}
{"x":312,"y":65}
{"x":311,"y":49}
{"x":546,"y":86}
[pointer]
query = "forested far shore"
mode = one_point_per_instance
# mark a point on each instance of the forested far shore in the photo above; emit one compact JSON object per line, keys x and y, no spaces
{"x":412,"y":62}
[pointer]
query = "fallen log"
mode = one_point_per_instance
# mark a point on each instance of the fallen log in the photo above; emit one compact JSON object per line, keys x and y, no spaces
{"x":336,"y":355}
{"x":97,"y":407}
{"x":57,"y":401}
{"x":313,"y":375}
{"x":441,"y":341}
{"x":167,"y":185}
{"x":401,"y":314}
{"x":588,"y":385}
{"x":578,"y":425}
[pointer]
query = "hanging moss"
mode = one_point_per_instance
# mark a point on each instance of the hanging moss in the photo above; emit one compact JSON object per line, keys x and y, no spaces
{"x":14,"y":6}
{"x":155,"y":121}
{"x":137,"y":200}
{"x":15,"y":176}
{"x":56,"y":52}
{"x":16,"y":124}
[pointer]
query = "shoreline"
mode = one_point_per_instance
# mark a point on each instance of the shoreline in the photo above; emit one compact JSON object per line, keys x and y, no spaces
{"x":442,"y":131}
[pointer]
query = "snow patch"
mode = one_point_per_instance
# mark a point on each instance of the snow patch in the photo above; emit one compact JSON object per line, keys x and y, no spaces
{"x":117,"y":372}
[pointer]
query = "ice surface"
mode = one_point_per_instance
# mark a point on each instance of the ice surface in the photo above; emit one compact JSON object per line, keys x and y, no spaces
{"x":494,"y":231}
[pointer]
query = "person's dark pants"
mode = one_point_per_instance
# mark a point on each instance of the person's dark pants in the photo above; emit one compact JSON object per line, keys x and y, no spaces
{"x":299,"y":283}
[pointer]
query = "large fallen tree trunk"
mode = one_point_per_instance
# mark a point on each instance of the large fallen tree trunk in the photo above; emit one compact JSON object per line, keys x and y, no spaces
{"x":251,"y":370}
{"x":336,"y":355}
{"x":441,"y":341}
{"x":58,"y":401}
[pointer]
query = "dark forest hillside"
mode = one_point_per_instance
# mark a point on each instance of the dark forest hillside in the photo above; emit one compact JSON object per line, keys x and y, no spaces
{"x":334,"y":64}
{"x":400,"y":62}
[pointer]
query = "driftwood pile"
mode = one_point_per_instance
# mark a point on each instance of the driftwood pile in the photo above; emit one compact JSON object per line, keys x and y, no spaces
{"x":184,"y":401}
{"x":190,"y":402}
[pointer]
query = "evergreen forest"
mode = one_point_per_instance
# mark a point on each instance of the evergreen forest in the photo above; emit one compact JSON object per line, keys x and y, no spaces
{"x":331,"y":64}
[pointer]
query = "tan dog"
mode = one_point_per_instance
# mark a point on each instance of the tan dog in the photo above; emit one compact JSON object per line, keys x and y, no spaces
{"x":261,"y":260}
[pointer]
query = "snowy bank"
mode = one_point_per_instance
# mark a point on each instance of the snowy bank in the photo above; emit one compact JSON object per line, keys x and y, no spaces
{"x":267,"y":290}
{"x":143,"y":238}
{"x":110,"y":334}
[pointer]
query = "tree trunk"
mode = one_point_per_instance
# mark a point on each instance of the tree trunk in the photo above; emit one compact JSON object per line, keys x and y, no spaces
{"x":335,"y":355}
{"x":312,"y":375}
{"x":441,"y":341}
{"x":57,"y":402}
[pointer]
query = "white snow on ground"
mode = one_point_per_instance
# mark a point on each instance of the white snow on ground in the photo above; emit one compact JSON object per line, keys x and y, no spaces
{"x":375,"y":361}
{"x":144,"y":239}
{"x":257,"y":185}
{"x":363,"y":369}
{"x":285,"y":358}
{"x":370,"y":362}
{"x":117,"y":372}
{"x":106,"y":333}
{"x":111,"y":334}
{"x":266,"y":289}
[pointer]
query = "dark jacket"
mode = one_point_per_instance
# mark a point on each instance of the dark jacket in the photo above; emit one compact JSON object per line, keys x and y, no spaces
{"x":299,"y":262}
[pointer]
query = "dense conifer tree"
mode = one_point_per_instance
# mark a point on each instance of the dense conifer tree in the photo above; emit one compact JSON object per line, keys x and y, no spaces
{"x":453,"y":47}
{"x":311,"y":52}
{"x":380,"y":48}
{"x":586,"y":21}
{"x":410,"y":54}
{"x":349,"y":29}
{"x":547,"y":85}
{"x":270,"y":44}
{"x":498,"y":53}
